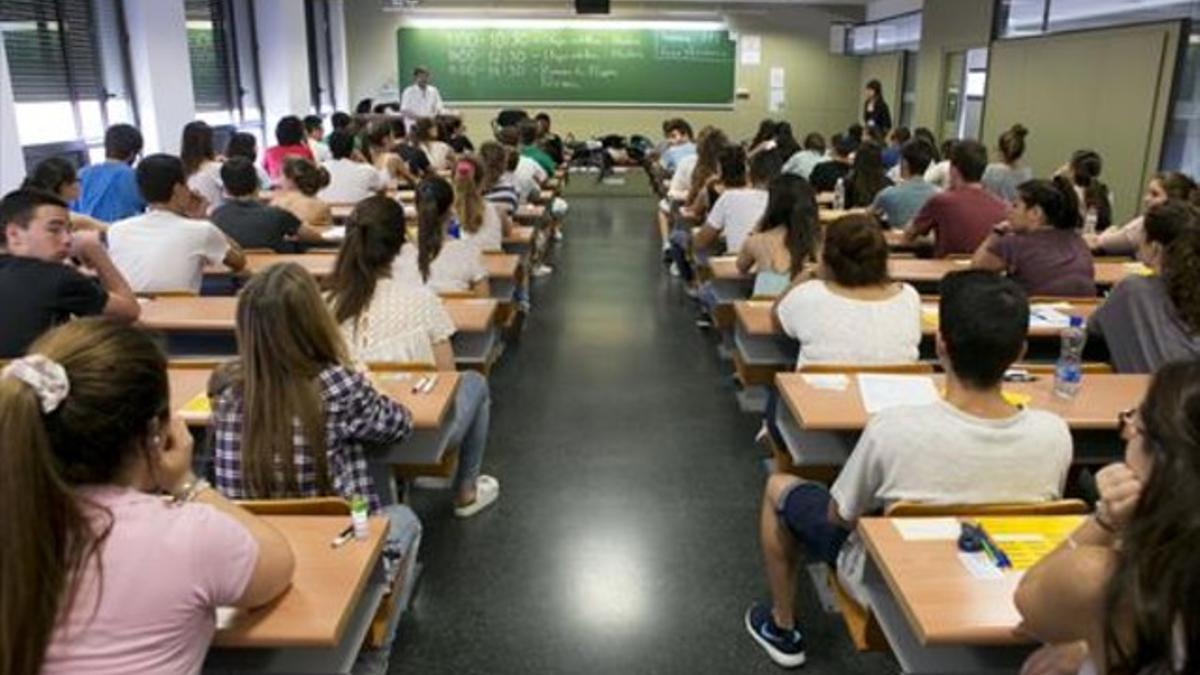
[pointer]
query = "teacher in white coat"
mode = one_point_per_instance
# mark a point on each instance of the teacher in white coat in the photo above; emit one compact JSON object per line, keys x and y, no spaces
{"x":420,"y":99}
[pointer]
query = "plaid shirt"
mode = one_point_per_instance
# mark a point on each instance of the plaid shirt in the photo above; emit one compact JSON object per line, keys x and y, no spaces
{"x":354,"y":414}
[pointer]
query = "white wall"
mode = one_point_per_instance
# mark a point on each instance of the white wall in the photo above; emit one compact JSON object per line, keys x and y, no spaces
{"x":341,"y":70}
{"x":162,"y":73}
{"x":882,"y":9}
{"x":283,"y":60}
{"x":12,"y":161}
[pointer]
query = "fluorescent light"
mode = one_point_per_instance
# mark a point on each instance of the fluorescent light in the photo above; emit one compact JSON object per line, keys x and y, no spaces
{"x":571,"y":24}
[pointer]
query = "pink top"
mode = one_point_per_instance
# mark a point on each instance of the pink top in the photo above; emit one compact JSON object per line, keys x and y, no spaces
{"x":166,"y":568}
{"x":275,"y":156}
{"x":961,"y":219}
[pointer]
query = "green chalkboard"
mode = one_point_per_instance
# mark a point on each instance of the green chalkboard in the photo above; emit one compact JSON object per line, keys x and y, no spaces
{"x":572,"y":65}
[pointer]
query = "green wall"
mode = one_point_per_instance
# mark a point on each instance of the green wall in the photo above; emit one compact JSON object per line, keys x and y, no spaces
{"x":946,"y":26}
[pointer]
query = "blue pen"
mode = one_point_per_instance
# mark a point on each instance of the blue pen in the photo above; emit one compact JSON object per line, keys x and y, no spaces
{"x":993,"y":550}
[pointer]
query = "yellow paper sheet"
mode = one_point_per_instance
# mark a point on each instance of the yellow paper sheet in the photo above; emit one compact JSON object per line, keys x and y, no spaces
{"x":1027,"y":540}
{"x":199,"y":405}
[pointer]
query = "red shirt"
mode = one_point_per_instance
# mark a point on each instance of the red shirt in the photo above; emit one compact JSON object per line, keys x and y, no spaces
{"x":275,"y":156}
{"x":961,"y":219}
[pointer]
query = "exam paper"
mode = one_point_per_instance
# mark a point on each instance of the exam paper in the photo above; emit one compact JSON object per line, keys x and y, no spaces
{"x":880,"y":391}
{"x":1049,"y":316}
{"x":831,"y":382}
{"x":927,"y":529}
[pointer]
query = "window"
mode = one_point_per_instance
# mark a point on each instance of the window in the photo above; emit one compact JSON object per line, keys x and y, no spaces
{"x":1182,"y":147}
{"x":320,"y":56}
{"x":69,"y":71}
{"x":1020,"y":18}
{"x":897,"y":33}
{"x":223,"y":54}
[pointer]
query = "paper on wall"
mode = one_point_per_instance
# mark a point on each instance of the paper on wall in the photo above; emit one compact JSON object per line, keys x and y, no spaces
{"x":775,"y":101}
{"x":777,"y":76}
{"x":751,"y":49}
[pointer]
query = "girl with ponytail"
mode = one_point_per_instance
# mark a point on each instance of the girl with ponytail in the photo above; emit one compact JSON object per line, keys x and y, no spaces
{"x":301,"y":182}
{"x":98,"y":573}
{"x":1001,"y":178}
{"x":784,"y":246}
{"x":480,"y":219}
{"x":1095,"y":204}
{"x":1039,"y":245}
{"x":443,"y":264}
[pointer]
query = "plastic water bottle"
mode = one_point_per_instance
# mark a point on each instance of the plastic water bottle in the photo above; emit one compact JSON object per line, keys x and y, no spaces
{"x":1090,"y":221}
{"x":358,"y":517}
{"x":839,"y":195}
{"x":1068,"y":373}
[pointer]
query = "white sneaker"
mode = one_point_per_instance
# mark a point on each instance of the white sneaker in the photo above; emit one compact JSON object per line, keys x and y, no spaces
{"x":487,"y":491}
{"x":542,"y":270}
{"x":674,"y":270}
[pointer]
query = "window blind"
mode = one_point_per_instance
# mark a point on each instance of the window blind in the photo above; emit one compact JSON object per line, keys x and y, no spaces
{"x":207,"y":31}
{"x":52,"y":50}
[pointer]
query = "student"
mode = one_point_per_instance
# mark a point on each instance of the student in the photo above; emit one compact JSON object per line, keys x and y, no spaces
{"x":498,"y":165}
{"x":1095,"y":203}
{"x":246,"y":220}
{"x":245,"y":145}
{"x":547,"y":140}
{"x":340,"y":121}
{"x":1002,"y":178}
{"x":786,"y":145}
{"x":964,"y":215}
{"x":443,"y":264}
{"x":1039,"y":247}
{"x":104,"y":574}
{"x":876,"y":114}
{"x":867,"y":178}
{"x":349,"y":181}
{"x":200,"y":164}
{"x":301,"y":181}
{"x":37,"y":289}
{"x":938,"y":173}
{"x":1128,"y":238}
{"x":479,"y":219}
{"x":289,"y":134}
{"x":898,"y":204}
{"x":679,"y":145}
{"x":420,"y":99}
{"x":1151,"y":320}
{"x":854,"y":313}
{"x":528,"y":175}
{"x":762,"y":137}
{"x":784,"y":245}
{"x":109,"y":192}
{"x":452,"y":130}
{"x":379,"y":143}
{"x":704,"y":190}
{"x":386,"y":320}
{"x":803,"y":162}
{"x":740,"y":206}
{"x":896,"y":138}
{"x":57,"y":176}
{"x":1124,"y":582}
{"x":528,"y":131}
{"x":824,"y":176}
{"x":165,"y":250}
{"x":314,"y":137}
{"x":971,"y":447}
{"x":425,"y":133}
{"x":679,"y":187}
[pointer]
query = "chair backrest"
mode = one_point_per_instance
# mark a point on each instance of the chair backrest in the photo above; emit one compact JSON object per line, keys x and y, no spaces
{"x":184,"y":293}
{"x":1055,"y":299}
{"x":399,"y":367}
{"x":1089,"y":368}
{"x":1058,"y":507}
{"x":920,"y":368}
{"x":312,"y":506}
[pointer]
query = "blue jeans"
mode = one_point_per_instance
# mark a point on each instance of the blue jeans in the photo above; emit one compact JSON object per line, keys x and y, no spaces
{"x":472,"y":417}
{"x":681,"y":241}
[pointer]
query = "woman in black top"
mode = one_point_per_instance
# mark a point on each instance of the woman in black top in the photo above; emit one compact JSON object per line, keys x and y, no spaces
{"x":876,"y":114}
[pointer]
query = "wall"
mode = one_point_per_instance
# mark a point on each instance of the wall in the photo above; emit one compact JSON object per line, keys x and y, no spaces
{"x":889,"y":70}
{"x":946,"y":26}
{"x":820,"y":87}
{"x":283,"y":60}
{"x":12,"y":160}
{"x":882,"y":9}
{"x":162,"y":72}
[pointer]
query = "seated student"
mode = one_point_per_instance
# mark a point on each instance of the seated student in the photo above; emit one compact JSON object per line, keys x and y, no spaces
{"x":681,"y":177}
{"x":804,"y":161}
{"x":1002,"y":178}
{"x":425,"y":134}
{"x":547,"y":140}
{"x":443,"y":264}
{"x":479,"y":219}
{"x":201,"y":165}
{"x":314,"y":137}
{"x":972,"y":447}
{"x":898,"y":204}
{"x":528,"y":136}
{"x":1095,"y":204}
{"x":964,"y":215}
{"x":244,"y":145}
{"x":300,"y":182}
{"x":349,"y":181}
{"x":340,"y":121}
{"x":867,"y":178}
{"x":453,"y":132}
{"x":165,"y":250}
{"x":679,"y":145}
{"x":106,"y":575}
{"x":379,"y":144}
{"x":1119,"y":595}
{"x":853,"y":313}
{"x":1152,"y":320}
{"x":498,"y":165}
{"x":763,"y":137}
{"x":1039,"y":246}
{"x":528,"y":175}
{"x":289,"y":134}
{"x":896,"y":138}
{"x":741,"y":204}
{"x":405,"y":145}
{"x":246,"y":220}
{"x":824,"y":176}
{"x":785,"y":242}
{"x":37,"y":289}
{"x":109,"y":191}
{"x":387,"y":320}
{"x":938,"y":173}
{"x":1128,"y":238}
{"x":57,"y":176}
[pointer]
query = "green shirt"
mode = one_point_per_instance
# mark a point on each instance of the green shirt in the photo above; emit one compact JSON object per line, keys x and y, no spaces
{"x":538,"y":155}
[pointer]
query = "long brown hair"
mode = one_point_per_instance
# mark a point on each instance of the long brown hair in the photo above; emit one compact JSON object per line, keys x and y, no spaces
{"x":374,"y":235}
{"x":1175,"y":225}
{"x":468,"y":197}
{"x":792,"y":205}
{"x":118,"y":384}
{"x":434,"y":199}
{"x":708,"y":146}
{"x":286,"y":336}
{"x":495,"y":163}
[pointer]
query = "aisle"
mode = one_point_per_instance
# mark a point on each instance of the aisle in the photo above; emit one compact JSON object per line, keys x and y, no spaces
{"x":625,"y":536}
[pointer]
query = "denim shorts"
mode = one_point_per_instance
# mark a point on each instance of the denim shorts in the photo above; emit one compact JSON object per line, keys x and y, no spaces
{"x":805,"y":511}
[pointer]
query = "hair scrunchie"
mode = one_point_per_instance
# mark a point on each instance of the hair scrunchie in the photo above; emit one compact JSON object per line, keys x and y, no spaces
{"x":47,"y":378}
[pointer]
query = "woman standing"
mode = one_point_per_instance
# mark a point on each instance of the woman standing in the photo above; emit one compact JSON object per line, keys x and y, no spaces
{"x":876,"y":114}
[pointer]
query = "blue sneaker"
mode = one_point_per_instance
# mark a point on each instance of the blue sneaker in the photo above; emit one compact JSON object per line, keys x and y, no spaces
{"x":786,"y":648}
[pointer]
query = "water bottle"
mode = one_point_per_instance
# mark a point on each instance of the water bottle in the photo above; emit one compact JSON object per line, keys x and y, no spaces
{"x":1068,"y":373}
{"x":1090,"y":221}
{"x":358,"y":517}
{"x":839,"y":195}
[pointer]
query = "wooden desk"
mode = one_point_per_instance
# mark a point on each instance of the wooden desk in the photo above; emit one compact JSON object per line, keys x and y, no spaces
{"x":525,"y":213}
{"x":502,"y":271}
{"x":930,"y":272}
{"x":519,"y":241}
{"x":728,"y":283}
{"x":319,"y":623}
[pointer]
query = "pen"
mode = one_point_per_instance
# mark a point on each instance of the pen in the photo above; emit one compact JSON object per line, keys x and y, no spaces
{"x":343,"y":537}
{"x":992,"y":549}
{"x":416,"y":388}
{"x":430,"y":384}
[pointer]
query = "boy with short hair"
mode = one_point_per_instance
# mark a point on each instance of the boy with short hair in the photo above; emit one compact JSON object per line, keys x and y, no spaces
{"x":964,"y":215}
{"x":825,"y":175}
{"x":528,"y":132}
{"x":108,"y":191}
{"x":38,"y":290}
{"x":679,"y":144}
{"x":971,"y":447}
{"x":349,"y":181}
{"x":314,"y":135}
{"x":165,"y":250}
{"x":898,"y":204}
{"x":251,"y":223}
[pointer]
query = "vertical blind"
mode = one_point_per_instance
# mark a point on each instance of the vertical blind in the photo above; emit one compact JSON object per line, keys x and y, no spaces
{"x":207,"y":36}
{"x":52,"y":50}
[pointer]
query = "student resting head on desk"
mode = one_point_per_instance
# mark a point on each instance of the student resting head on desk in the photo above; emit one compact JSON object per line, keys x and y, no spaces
{"x":1122,"y":594}
{"x":972,"y":447}
{"x":437,"y":260}
{"x":787,"y":239}
{"x":98,"y":572}
{"x":388,"y":320}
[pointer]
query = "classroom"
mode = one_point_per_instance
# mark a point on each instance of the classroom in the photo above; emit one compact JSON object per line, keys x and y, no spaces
{"x":600,"y":336}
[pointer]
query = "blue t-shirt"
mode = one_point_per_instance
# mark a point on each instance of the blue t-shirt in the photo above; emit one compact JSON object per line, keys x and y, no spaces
{"x":672,"y":155}
{"x":109,"y":192}
{"x":900,"y":203}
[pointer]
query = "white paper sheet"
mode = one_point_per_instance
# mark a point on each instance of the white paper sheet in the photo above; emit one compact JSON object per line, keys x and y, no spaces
{"x":980,"y":566}
{"x":335,"y":233}
{"x":927,"y":529}
{"x":775,"y":102}
{"x":1049,"y":316}
{"x":831,"y":382}
{"x":881,"y":391}
{"x":777,"y":78}
{"x":751,"y":49}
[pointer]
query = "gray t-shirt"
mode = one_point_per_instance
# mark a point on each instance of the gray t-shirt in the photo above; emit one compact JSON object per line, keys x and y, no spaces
{"x":1142,"y":328}
{"x":1002,"y":180}
{"x":899,"y":203}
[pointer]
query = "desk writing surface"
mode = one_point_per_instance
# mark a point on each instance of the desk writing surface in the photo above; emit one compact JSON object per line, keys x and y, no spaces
{"x":916,"y":270}
{"x":520,"y":235}
{"x":327,"y":584}
{"x":185,"y":384}
{"x":318,"y":264}
{"x":501,"y":265}
{"x":1096,"y":407}
{"x":471,"y":315}
{"x":725,"y":267}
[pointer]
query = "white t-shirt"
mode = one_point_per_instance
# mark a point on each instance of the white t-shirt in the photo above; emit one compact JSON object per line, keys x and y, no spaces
{"x":835,"y":329}
{"x":528,"y":178}
{"x":938,"y":174}
{"x":350,"y":182}
{"x":401,"y":325}
{"x":438,"y":154}
{"x":456,"y":268}
{"x":207,"y":183}
{"x":936,"y":453}
{"x":420,"y":103}
{"x":490,"y":236}
{"x":160,"y":251}
{"x":320,"y":151}
{"x":681,"y":180}
{"x":736,"y":213}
